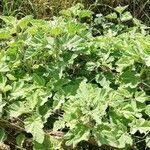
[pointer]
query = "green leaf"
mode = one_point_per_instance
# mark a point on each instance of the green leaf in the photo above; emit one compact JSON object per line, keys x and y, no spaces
{"x":34,"y":125}
{"x":38,"y":79}
{"x":147,"y":110}
{"x":125,"y":140}
{"x":126,"y":17}
{"x":2,"y":104}
{"x":59,"y":100}
{"x":111,"y":16}
{"x":32,"y":100}
{"x":3,"y":86}
{"x":74,"y":27}
{"x":23,"y":23}
{"x":78,"y":134}
{"x":45,"y":145}
{"x":31,"y":52}
{"x":92,"y":65}
{"x":140,"y":125}
{"x":2,"y":136}
{"x":7,"y":88}
{"x":66,"y":13}
{"x":85,"y":13}
{"x":147,"y":61}
{"x":124,"y":62}
{"x":102,"y":81}
{"x":121,"y":9}
{"x":18,"y":108}
{"x":20,"y":139}
{"x":9,"y":20}
{"x":148,"y":141}
{"x":60,"y":124}
{"x":129,"y":78}
{"x":11,"y":77}
{"x":4,"y":35}
{"x":55,"y":31}
{"x":4,"y":67}
{"x":3,"y":81}
{"x":99,"y":135}
{"x":17,"y":90}
{"x":108,"y":134}
{"x":141,"y":97}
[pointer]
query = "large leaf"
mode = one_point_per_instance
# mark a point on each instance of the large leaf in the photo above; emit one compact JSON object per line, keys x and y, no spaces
{"x":18,"y":90}
{"x":45,"y":145}
{"x":78,"y":134}
{"x":140,"y":125}
{"x":130,"y":78}
{"x":18,"y":108}
{"x":34,"y":125}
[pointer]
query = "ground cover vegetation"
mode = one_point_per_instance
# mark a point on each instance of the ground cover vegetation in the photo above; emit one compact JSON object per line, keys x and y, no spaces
{"x":78,"y":81}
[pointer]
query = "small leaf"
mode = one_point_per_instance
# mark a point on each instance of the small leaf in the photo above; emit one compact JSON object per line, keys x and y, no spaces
{"x":32,"y":100}
{"x":24,"y":21}
{"x":126,"y":17}
{"x":4,"y":67}
{"x":7,"y":88}
{"x":148,"y":141}
{"x":4,"y":34}
{"x":2,"y":104}
{"x":66,"y":13}
{"x":147,"y":110}
{"x":56,"y":31}
{"x":9,"y":20}
{"x":38,"y":80}
{"x":141,"y":97}
{"x":85,"y":13}
{"x":102,"y":81}
{"x":20,"y":139}
{"x":2,"y":135}
{"x":11,"y":77}
{"x":111,"y":16}
{"x":124,"y":62}
{"x":30,"y":52}
{"x":147,"y":61}
{"x":121,"y":9}
{"x":60,"y":124}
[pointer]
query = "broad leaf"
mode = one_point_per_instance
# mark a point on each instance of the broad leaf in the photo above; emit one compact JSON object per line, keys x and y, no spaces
{"x":35,"y":126}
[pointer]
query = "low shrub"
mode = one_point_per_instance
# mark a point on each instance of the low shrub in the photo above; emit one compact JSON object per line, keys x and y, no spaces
{"x":78,"y":81}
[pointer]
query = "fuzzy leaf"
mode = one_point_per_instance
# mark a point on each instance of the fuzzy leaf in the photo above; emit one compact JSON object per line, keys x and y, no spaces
{"x":34,"y":125}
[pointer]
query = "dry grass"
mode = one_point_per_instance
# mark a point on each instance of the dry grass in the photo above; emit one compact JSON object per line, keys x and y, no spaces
{"x":38,"y":8}
{"x":48,"y":8}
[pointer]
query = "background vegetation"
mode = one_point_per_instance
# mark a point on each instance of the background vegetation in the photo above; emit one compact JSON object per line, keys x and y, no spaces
{"x":48,"y":8}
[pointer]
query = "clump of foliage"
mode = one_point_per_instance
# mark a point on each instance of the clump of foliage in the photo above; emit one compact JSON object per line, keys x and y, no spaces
{"x":76,"y":81}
